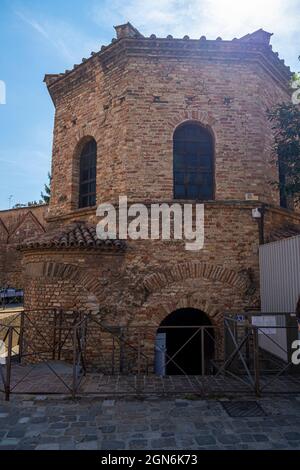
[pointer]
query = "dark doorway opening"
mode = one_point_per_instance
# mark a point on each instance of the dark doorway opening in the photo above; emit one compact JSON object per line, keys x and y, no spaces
{"x":188,"y":348}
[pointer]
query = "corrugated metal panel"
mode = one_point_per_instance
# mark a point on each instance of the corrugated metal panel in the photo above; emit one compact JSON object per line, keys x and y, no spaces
{"x":280,"y":275}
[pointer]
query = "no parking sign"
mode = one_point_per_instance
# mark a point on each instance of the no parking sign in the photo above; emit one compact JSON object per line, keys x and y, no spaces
{"x":240,"y":317}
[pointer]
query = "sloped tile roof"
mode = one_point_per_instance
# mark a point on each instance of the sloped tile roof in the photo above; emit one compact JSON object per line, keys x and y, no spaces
{"x":282,"y":233}
{"x":77,"y":235}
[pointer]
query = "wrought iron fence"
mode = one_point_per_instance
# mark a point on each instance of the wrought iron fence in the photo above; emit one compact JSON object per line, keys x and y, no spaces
{"x":32,"y":354}
{"x":52,"y":351}
{"x":259,"y":351}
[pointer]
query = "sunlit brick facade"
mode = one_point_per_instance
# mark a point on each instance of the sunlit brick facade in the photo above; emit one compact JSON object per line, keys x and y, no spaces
{"x":130,"y":97}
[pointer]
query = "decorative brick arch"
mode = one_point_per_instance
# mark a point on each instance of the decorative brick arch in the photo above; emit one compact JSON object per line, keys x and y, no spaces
{"x":204,"y":118}
{"x":193,"y":270}
{"x":86,"y":132}
{"x":62,"y":271}
{"x":157,"y":313}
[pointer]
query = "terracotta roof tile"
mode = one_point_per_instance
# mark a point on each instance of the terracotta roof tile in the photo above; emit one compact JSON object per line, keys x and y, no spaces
{"x":282,"y":233}
{"x":72,"y":236}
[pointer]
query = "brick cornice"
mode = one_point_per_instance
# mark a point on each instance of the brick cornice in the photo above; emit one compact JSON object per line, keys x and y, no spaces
{"x":235,"y":51}
{"x":82,"y":212}
{"x":242,"y":204}
{"x":283,"y":211}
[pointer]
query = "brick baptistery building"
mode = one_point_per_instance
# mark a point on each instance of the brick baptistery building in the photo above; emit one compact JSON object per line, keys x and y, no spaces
{"x":160,"y":120}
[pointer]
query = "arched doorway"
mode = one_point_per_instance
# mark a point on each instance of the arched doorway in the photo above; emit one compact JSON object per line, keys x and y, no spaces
{"x":184,"y":343}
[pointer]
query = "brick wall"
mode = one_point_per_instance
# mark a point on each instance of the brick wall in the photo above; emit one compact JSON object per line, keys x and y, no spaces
{"x":130,"y":97}
{"x":15,"y":226}
{"x":151,"y":279}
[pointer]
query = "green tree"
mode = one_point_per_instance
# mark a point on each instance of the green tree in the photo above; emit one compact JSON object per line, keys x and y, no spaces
{"x":28,"y":204}
{"x":47,"y":188}
{"x":285,"y":120}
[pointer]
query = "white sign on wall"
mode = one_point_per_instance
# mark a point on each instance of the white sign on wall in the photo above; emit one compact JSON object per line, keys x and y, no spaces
{"x":265,"y":324}
{"x":3,"y":352}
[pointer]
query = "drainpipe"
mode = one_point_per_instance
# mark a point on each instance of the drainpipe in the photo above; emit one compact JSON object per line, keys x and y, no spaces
{"x":259,"y":214}
{"x":261,"y":225}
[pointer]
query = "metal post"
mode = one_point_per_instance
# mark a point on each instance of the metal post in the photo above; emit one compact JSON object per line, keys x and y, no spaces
{"x":8,"y":363}
{"x":247,"y":346}
{"x":235,"y":334}
{"x":54,"y":333}
{"x":256,"y":360}
{"x":122,"y":350}
{"x":60,"y":333}
{"x":139,"y":352}
{"x":21,"y":336}
{"x":202,"y":352}
{"x":74,"y":362}
{"x":113,"y":357}
{"x":84,"y":348}
{"x":226,"y":348}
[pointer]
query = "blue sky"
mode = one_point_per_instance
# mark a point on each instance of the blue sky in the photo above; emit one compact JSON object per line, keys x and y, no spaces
{"x":49,"y":36}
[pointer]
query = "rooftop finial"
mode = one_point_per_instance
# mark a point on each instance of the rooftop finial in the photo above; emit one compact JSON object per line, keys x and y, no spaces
{"x":258,"y":36}
{"x":127,"y":31}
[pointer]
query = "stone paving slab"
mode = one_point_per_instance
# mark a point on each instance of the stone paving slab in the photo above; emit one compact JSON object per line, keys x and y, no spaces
{"x":56,"y":377}
{"x":44,"y":423}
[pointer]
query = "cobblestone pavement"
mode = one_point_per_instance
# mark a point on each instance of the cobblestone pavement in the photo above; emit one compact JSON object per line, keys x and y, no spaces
{"x":60,"y":423}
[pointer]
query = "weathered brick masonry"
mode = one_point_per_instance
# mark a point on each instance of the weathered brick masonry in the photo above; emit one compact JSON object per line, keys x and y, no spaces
{"x":15,"y":226}
{"x":130,"y":97}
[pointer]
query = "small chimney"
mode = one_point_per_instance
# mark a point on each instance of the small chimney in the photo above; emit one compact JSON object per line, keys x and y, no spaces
{"x":127,"y":31}
{"x":260,"y":36}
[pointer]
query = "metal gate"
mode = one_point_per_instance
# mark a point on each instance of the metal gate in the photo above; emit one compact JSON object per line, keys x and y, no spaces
{"x":261,"y":351}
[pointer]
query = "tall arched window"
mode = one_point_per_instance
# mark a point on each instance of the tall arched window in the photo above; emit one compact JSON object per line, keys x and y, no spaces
{"x":87,"y":174}
{"x":193,"y":162}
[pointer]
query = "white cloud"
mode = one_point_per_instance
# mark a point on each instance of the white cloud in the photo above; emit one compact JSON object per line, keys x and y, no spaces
{"x":34,"y":24}
{"x":212,"y":18}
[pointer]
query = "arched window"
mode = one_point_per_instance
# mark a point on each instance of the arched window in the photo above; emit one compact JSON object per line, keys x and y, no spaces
{"x":87,"y":174}
{"x":193,"y":162}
